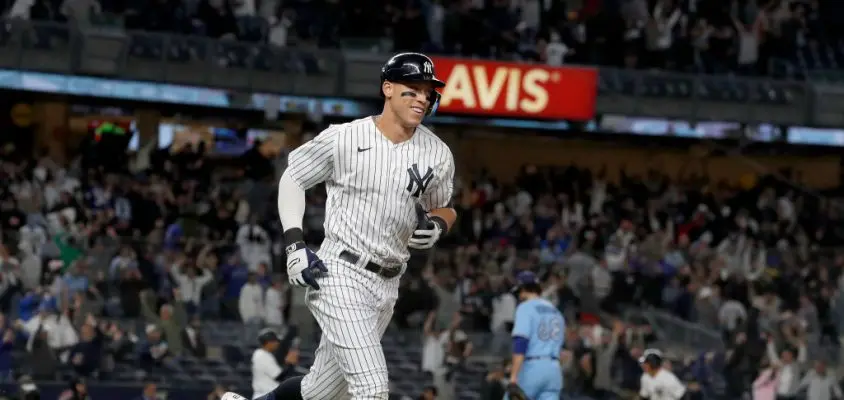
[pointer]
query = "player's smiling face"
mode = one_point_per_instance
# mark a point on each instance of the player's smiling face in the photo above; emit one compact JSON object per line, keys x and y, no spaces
{"x":409,"y":100}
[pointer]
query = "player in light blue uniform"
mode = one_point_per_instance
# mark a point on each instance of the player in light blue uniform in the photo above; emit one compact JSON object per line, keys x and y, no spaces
{"x":539,"y":331}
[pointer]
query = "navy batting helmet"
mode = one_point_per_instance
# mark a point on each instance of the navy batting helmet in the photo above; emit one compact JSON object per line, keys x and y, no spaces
{"x":413,"y":67}
{"x":651,"y":357}
{"x":267,"y":335}
{"x":525,"y":278}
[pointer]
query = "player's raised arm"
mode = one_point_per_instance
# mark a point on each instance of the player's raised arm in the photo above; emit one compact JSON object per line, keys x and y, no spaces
{"x":308,"y":165}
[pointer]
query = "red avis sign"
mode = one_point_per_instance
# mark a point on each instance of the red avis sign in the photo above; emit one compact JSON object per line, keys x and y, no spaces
{"x":505,"y":89}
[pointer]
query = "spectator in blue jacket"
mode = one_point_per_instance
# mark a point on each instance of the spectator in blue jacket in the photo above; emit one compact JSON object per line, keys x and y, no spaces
{"x":33,"y":301}
{"x":234,"y":276}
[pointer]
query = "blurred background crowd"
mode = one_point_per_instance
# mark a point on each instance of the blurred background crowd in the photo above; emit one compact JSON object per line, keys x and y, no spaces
{"x":161,"y":266}
{"x":166,"y":274}
{"x":775,"y":38}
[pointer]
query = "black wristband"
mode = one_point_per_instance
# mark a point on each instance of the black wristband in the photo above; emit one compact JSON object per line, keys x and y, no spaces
{"x":293,"y":235}
{"x":441,"y":222}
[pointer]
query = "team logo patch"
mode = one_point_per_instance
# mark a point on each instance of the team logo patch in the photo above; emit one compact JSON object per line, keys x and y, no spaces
{"x":418,"y":182}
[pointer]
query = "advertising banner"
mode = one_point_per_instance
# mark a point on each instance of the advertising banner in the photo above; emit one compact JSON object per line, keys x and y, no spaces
{"x":503,"y":89}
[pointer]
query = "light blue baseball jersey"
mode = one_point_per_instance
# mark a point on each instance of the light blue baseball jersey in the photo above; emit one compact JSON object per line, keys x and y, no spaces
{"x":545,"y":328}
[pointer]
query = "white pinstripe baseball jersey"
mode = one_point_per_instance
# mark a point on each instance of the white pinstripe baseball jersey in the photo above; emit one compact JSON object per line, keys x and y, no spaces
{"x":373,"y":185}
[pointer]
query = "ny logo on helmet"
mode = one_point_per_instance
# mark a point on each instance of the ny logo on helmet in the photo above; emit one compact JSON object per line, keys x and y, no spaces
{"x":428,"y":68}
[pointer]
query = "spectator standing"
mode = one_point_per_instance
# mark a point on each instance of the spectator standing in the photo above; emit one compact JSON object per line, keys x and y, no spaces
{"x":820,"y":384}
{"x":458,"y":348}
{"x":433,"y":348}
{"x":790,"y":368}
{"x":765,"y":385}
{"x":748,"y":45}
{"x":125,"y":259}
{"x":731,"y":315}
{"x":280,"y":28}
{"x":235,"y":275}
{"x":254,"y":243}
{"x":33,"y":239}
{"x":605,"y":354}
{"x":170,"y":319}
{"x":251,"y":302}
{"x":190,"y":280}
{"x":83,"y":306}
{"x":56,"y":327}
{"x":554,"y":52}
{"x":501,"y":322}
{"x":85,"y":356}
{"x":154,"y":351}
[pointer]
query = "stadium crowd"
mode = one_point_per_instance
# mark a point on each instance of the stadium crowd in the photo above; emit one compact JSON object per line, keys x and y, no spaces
{"x":87,"y":247}
{"x":172,"y":242}
{"x":779,"y":38}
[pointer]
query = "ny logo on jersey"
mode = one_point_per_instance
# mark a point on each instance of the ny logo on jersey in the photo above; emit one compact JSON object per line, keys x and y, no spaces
{"x":428,"y":68}
{"x":418,"y":182}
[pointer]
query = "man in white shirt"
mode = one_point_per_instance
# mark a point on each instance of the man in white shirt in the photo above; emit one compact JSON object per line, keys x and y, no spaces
{"x":556,"y":51}
{"x":433,"y":347}
{"x":254,"y":244}
{"x":819,"y":384}
{"x":790,"y":369}
{"x":266,"y":373}
{"x":251,"y":301}
{"x":501,"y":323}
{"x":658,"y":383}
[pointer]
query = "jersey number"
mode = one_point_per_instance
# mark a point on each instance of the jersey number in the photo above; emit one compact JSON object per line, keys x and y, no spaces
{"x":550,"y":329}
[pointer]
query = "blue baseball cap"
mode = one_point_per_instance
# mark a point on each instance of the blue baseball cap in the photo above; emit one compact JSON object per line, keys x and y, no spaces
{"x":525,"y":278}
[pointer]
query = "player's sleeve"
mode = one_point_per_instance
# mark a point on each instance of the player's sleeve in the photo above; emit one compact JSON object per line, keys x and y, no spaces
{"x":521,"y":322}
{"x":313,"y":162}
{"x":676,"y":388}
{"x":644,"y":390}
{"x":440,"y":194}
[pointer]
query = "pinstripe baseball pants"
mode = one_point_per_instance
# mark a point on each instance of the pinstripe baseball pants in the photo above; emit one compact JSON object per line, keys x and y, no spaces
{"x":353,"y":308}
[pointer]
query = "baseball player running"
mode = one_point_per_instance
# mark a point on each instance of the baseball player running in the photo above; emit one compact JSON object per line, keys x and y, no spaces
{"x":379,"y":171}
{"x":657,"y":383}
{"x":538,"y":336}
